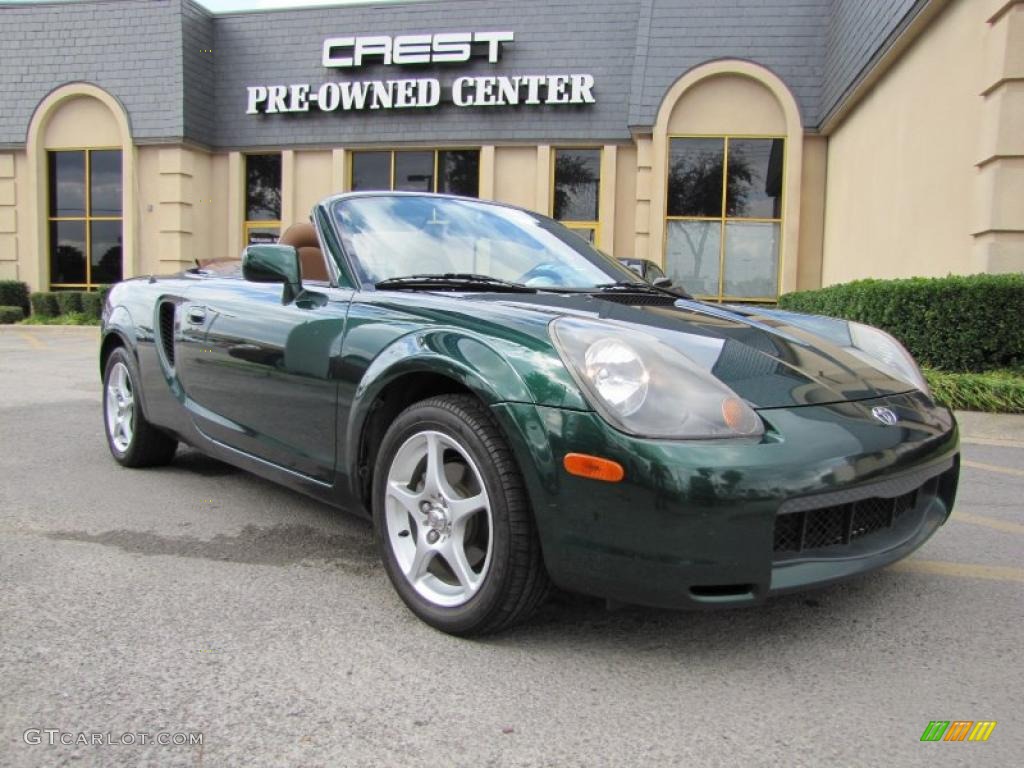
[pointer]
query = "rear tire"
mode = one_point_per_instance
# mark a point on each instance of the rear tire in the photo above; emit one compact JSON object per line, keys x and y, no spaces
{"x":453,"y":519}
{"x":132,"y":440}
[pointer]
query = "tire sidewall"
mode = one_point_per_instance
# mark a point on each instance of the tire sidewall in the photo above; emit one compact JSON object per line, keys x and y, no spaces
{"x":462,"y":618}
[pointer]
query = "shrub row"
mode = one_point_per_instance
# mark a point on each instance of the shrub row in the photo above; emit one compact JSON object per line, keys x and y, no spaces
{"x":10,"y":315}
{"x":54,"y":303}
{"x":953,"y":323}
{"x":14,"y":293}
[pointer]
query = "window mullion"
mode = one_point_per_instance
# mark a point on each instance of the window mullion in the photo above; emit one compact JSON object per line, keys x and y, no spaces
{"x":88,"y":219}
{"x":721,"y":235}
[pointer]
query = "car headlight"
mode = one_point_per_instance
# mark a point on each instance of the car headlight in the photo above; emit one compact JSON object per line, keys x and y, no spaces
{"x":872,"y":345}
{"x":642,"y":386}
{"x":876,"y":347}
{"x":617,"y":373}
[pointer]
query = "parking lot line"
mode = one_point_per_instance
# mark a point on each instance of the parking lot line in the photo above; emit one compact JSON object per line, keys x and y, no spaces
{"x":993,"y":441}
{"x":32,"y":340}
{"x":963,"y":570}
{"x":994,"y":468}
{"x":989,"y":522}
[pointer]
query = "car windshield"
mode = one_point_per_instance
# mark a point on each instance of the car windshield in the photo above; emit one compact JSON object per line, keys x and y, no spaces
{"x":394,"y":236}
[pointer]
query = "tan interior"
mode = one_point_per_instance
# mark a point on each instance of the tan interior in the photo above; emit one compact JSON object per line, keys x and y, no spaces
{"x":302,"y":237}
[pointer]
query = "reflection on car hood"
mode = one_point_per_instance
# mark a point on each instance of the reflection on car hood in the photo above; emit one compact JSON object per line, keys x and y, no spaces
{"x":760,"y":354}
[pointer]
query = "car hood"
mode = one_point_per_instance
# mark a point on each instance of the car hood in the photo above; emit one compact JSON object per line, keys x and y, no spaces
{"x":770,"y":358}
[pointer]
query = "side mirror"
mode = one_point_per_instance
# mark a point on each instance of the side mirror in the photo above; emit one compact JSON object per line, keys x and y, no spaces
{"x":662,"y":282}
{"x":273,"y":264}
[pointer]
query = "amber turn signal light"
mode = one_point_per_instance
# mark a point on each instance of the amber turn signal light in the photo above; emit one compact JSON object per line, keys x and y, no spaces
{"x":593,"y":467}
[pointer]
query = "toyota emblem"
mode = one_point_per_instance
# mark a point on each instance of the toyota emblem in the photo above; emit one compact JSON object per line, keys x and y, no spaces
{"x":885,"y":415}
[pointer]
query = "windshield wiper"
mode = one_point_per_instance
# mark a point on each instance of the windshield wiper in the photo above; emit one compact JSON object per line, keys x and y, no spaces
{"x":456,"y":281}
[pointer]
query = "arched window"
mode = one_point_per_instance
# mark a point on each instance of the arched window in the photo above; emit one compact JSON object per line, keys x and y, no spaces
{"x":81,"y":159}
{"x":85,"y":237}
{"x":727,"y":150}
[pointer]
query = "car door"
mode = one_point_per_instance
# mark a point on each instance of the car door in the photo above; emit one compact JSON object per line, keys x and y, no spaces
{"x":259,"y":374}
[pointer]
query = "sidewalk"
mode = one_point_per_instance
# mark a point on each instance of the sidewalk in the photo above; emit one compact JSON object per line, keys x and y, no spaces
{"x":19,"y":328}
{"x":991,"y":428}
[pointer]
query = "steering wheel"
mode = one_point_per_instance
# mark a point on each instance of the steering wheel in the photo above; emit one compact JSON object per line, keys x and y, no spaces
{"x":548,"y":273}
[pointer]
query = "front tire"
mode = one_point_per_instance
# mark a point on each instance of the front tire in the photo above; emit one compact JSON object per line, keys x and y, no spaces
{"x":132,"y":440}
{"x":453,"y":520}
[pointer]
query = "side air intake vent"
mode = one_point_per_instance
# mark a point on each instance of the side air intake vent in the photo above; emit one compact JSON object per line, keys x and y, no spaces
{"x":167,"y":330}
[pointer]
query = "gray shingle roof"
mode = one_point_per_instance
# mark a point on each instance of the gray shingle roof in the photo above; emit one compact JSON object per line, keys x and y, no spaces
{"x":153,"y":56}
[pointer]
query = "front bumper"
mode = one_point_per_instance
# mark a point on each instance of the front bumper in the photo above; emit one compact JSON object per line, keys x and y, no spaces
{"x":697,"y":523}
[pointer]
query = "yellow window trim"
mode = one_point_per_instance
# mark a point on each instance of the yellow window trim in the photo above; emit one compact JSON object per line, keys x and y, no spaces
{"x":594,"y":225}
{"x":391,"y":163}
{"x":248,"y":224}
{"x":575,"y":223}
{"x":258,"y":224}
{"x":724,"y":219}
{"x":87,"y":219}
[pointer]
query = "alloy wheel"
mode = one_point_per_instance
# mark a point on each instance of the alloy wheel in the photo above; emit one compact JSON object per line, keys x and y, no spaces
{"x":438,"y":517}
{"x":120,"y":407}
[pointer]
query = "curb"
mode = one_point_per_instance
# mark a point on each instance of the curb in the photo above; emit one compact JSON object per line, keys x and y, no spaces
{"x":48,"y":328}
{"x":993,"y":428}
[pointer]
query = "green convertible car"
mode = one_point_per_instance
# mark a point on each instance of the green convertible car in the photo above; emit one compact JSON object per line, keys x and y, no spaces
{"x":514,"y":409}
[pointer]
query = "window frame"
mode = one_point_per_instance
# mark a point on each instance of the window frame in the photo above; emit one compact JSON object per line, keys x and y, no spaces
{"x":577,"y":223}
{"x":721,"y":296}
{"x":391,"y":166}
{"x":250,"y":224}
{"x":87,"y":219}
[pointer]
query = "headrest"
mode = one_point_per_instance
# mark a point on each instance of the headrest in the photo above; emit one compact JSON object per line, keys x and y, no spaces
{"x":301,"y":235}
{"x":312,"y":264}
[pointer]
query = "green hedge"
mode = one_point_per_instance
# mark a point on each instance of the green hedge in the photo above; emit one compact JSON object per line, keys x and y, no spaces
{"x":10,"y":315}
{"x":44,"y":304}
{"x":69,"y":301}
{"x":971,"y":323}
{"x":92,"y":304}
{"x":14,"y":293}
{"x":55,"y":303}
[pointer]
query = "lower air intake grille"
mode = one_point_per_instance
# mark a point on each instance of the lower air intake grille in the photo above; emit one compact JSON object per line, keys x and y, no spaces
{"x":167,"y":331}
{"x":838,"y":525}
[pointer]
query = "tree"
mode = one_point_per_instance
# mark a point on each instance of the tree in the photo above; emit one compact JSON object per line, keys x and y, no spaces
{"x":263,"y":188}
{"x":575,"y":176}
{"x":695,"y":189}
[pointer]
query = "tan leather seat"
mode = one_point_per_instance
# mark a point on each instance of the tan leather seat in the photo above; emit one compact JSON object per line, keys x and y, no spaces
{"x":302,"y":237}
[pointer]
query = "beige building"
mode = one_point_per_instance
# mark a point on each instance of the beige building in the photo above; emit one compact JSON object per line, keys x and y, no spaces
{"x":741,"y":178}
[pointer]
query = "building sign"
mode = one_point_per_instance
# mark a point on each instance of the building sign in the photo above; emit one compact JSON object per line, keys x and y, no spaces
{"x":419,"y":92}
{"x":444,"y":47}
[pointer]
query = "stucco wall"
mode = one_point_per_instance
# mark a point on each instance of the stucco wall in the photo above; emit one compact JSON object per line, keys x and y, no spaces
{"x":623,"y":243}
{"x":812,"y":212}
{"x":515,"y":175}
{"x":12,"y":183}
{"x":311,"y":183}
{"x":901,"y":166}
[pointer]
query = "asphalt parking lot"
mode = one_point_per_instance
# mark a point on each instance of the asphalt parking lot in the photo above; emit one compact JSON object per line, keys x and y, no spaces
{"x":199,"y":599}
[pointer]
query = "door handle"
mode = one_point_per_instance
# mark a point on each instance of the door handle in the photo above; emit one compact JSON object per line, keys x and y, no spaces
{"x":196,"y":315}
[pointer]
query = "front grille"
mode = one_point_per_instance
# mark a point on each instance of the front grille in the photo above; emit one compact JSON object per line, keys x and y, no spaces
{"x":839,"y":524}
{"x":167,"y":331}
